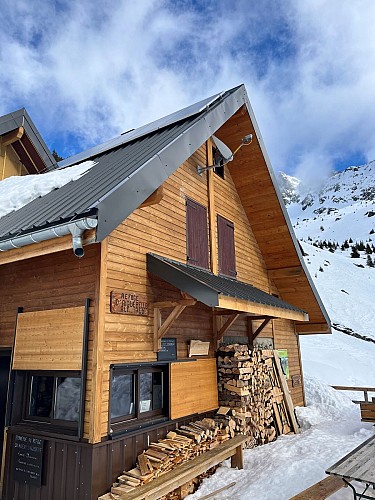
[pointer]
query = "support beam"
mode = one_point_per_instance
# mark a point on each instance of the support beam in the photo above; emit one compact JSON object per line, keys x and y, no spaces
{"x":311,"y":328}
{"x":154,"y":198}
{"x":211,"y":211}
{"x":13,"y":136}
{"x":261,"y":327}
{"x":285,"y":272}
{"x":229,"y":322}
{"x":160,"y":328}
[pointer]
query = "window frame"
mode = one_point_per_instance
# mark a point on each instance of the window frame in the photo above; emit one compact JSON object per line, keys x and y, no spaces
{"x":138,"y":418}
{"x":56,"y":424}
{"x":219,"y":166}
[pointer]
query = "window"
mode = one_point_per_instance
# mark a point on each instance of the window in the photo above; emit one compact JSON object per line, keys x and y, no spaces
{"x":196,"y":234}
{"x":138,"y":393}
{"x":218,"y":160}
{"x":53,"y":398}
{"x":226,"y":248}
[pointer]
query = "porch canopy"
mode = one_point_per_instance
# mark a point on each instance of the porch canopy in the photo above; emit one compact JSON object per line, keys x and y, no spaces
{"x":221,"y":292}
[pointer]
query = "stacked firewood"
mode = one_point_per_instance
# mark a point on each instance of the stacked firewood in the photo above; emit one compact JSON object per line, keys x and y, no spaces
{"x":250,"y":394}
{"x":179,"y":446}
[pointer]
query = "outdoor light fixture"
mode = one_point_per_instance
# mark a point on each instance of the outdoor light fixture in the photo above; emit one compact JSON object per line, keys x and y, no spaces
{"x":225,"y":153}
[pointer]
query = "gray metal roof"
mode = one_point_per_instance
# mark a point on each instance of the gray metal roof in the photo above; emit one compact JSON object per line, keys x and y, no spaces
{"x":206,"y":286}
{"x":141,"y":131}
{"x":21,"y":118}
{"x":126,"y":175}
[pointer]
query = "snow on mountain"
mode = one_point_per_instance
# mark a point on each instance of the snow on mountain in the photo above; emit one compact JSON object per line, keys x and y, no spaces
{"x":343,"y":208}
{"x":342,"y":211}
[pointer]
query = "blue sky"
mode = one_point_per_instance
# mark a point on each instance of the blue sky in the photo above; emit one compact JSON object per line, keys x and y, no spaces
{"x":87,"y":71}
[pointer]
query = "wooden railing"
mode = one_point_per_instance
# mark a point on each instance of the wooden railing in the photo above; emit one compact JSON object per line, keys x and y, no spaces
{"x":365,"y":391}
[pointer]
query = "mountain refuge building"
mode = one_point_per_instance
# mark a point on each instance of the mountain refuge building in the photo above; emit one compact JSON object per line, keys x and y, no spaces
{"x":121,"y":273}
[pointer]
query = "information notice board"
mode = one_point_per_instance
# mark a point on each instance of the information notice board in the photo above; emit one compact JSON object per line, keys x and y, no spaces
{"x":168,"y":351}
{"x":28,"y":460}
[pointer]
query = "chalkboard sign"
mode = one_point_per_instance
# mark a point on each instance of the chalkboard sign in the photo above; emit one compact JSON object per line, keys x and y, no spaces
{"x":28,"y":460}
{"x":168,"y":350}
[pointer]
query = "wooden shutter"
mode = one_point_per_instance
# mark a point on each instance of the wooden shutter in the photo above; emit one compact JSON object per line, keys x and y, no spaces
{"x":226,"y":249}
{"x":196,"y":234}
{"x":49,"y":340}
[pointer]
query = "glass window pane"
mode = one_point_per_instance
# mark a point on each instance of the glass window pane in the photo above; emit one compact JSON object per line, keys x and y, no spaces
{"x":145,"y":392}
{"x":157,"y":392}
{"x":68,"y":398}
{"x":41,"y":396}
{"x":122,"y":395}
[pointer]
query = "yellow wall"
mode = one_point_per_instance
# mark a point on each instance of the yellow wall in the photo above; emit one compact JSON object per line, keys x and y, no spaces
{"x":10,"y":164}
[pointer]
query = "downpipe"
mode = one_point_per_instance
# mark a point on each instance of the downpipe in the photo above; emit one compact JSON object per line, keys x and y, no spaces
{"x":76,"y":229}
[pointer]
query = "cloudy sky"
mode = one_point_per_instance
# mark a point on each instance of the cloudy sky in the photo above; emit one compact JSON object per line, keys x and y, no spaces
{"x":87,"y":71}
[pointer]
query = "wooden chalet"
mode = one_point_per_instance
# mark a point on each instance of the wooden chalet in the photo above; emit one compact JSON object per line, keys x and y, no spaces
{"x":96,"y":340}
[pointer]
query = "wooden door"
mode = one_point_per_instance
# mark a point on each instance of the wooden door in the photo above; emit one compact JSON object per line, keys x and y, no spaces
{"x":4,"y":376}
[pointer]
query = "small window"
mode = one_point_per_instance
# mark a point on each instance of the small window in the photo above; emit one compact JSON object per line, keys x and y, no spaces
{"x":218,"y":161}
{"x":54,"y":399}
{"x":138,"y":394}
{"x":226,"y":247}
{"x":196,"y":234}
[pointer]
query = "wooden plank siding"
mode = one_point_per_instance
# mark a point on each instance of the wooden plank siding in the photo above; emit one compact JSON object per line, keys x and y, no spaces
{"x":161,"y":229}
{"x":55,"y":281}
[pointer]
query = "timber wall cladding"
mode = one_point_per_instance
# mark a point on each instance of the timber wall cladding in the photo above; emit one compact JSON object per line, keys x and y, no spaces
{"x":161,"y":229}
{"x":54,"y":281}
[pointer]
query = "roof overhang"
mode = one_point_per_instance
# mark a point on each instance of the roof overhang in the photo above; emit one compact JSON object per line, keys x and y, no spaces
{"x":253,"y":176}
{"x":221,"y":292}
{"x":18,"y":131}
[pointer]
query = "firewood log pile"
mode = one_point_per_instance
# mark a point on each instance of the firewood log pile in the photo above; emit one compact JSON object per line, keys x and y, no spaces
{"x":252,"y":404}
{"x":179,"y":446}
{"x":250,"y":393}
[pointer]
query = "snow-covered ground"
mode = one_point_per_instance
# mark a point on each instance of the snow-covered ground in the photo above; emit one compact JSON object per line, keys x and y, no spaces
{"x":331,"y":427}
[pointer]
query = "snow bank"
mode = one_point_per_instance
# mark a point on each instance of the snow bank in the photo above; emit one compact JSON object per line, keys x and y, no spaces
{"x":15,"y":192}
{"x":331,"y":428}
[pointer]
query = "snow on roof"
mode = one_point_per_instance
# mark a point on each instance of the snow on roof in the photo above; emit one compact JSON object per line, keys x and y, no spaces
{"x":15,"y":192}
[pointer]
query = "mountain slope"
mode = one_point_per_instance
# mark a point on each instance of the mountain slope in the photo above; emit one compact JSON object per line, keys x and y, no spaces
{"x":343,"y":210}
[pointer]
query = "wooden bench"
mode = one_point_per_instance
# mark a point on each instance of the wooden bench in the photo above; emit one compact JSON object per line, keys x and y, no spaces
{"x":319,"y":491}
{"x":187,"y":471}
{"x":367,"y":405}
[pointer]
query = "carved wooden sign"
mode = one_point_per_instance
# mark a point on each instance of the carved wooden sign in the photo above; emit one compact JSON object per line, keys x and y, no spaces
{"x":129,"y":303}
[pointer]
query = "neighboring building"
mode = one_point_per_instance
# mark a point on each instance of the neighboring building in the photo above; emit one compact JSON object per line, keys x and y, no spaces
{"x":168,"y":254}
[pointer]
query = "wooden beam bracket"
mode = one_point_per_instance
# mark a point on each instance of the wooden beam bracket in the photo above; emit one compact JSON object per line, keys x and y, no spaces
{"x":13,"y":136}
{"x":161,"y":328}
{"x":229,"y":322}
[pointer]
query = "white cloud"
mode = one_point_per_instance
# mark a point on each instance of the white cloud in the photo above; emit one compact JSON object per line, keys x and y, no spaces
{"x":93,"y":70}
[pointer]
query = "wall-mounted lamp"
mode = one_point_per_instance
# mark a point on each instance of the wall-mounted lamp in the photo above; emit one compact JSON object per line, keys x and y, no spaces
{"x":225,"y":152}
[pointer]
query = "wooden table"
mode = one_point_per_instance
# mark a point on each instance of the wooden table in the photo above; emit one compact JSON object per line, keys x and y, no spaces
{"x":358,"y":465}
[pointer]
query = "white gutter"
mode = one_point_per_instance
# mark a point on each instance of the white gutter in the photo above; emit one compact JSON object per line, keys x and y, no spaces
{"x":75,"y":228}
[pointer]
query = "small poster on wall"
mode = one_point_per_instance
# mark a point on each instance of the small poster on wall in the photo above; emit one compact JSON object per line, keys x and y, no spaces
{"x":283,"y":355}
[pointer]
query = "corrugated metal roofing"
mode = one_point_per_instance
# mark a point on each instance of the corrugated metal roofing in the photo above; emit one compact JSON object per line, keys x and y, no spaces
{"x":197,"y":279}
{"x":125,"y":176}
{"x":141,"y":131}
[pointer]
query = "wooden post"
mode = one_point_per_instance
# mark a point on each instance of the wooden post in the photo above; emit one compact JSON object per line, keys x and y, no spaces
{"x":94,"y":430}
{"x":211,"y":211}
{"x":237,"y":458}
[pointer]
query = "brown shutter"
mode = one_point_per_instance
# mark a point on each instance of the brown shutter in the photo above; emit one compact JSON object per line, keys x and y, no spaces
{"x":226,"y":249}
{"x":196,"y":234}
